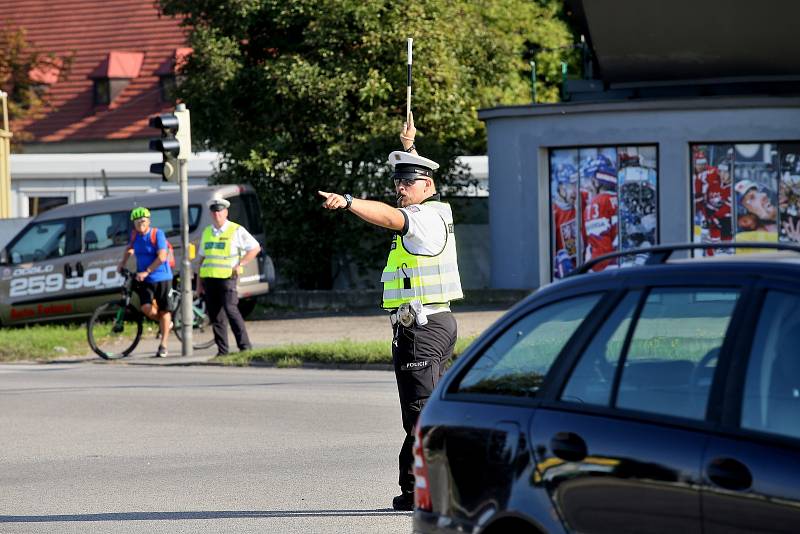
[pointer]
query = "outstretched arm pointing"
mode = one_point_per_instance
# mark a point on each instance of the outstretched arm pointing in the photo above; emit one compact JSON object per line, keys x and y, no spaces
{"x":373,"y":212}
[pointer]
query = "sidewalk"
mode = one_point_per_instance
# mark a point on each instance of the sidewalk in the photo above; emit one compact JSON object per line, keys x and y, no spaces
{"x":308,"y":328}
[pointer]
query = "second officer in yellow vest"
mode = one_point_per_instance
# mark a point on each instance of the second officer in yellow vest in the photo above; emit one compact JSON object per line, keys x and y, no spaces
{"x":225,"y":248}
{"x":419,"y":281}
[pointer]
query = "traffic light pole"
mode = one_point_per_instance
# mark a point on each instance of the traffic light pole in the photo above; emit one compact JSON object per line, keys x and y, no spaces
{"x":175,"y":145}
{"x":186,"y":266}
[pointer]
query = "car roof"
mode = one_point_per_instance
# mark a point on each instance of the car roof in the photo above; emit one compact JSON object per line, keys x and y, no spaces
{"x":695,"y":272}
{"x":148,"y":200}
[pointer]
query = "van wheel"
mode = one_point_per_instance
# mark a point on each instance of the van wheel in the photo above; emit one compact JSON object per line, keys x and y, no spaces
{"x":246,"y":307}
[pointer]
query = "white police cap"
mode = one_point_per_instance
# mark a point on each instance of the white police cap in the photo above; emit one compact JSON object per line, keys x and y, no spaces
{"x":411,"y":164}
{"x":218,"y":204}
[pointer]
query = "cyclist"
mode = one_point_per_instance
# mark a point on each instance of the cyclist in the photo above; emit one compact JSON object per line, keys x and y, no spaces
{"x":153,"y":273}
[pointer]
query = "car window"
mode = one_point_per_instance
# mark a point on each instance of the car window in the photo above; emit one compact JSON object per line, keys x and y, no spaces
{"x":771,"y":400}
{"x":169,"y":219}
{"x":105,"y":230}
{"x":41,"y":241}
{"x":237,"y":211}
{"x":673,"y":352}
{"x":517,"y":362}
{"x":592,"y":378}
{"x":256,"y":226}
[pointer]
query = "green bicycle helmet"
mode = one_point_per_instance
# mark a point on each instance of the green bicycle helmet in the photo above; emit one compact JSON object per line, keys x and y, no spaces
{"x":138,"y":213}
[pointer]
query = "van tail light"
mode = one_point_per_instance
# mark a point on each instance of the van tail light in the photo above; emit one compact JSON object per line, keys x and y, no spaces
{"x":422,"y":489}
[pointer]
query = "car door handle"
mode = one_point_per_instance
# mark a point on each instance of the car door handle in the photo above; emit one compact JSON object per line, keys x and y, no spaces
{"x":729,"y":474}
{"x":568,"y":446}
{"x":79,"y":268}
{"x":67,"y":270}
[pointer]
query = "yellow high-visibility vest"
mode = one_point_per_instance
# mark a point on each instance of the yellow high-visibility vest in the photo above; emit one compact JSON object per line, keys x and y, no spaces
{"x":429,"y":279}
{"x":218,"y":260}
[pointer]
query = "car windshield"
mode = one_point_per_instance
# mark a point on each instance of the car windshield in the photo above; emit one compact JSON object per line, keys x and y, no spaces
{"x":39,"y":242}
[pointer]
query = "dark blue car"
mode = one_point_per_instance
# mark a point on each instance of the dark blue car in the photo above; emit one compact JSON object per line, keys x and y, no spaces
{"x":660,"y":398}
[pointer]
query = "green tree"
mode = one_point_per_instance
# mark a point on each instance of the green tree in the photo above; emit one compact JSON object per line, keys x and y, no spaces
{"x":20,"y":67}
{"x":307,"y":95}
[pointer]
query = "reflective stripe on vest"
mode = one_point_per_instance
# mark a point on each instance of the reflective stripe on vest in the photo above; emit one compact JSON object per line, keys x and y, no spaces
{"x":218,"y":261}
{"x":429,"y":279}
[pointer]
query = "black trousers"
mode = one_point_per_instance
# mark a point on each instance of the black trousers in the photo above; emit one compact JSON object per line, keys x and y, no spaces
{"x":419,"y":354}
{"x":222,"y":303}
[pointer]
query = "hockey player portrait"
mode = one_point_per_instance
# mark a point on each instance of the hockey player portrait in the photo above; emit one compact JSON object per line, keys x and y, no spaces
{"x":757,"y":215}
{"x":565,"y":226}
{"x":600,"y":213}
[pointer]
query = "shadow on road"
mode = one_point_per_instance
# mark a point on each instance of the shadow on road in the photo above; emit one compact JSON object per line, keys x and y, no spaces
{"x":185,"y":516}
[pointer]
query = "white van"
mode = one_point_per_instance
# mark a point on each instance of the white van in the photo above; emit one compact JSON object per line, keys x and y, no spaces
{"x":62,"y":265}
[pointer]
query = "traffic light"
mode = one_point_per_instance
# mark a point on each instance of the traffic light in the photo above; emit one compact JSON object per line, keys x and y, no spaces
{"x":174,"y":144}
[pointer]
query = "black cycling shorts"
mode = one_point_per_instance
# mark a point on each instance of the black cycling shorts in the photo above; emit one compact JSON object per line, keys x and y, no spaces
{"x":158,"y":291}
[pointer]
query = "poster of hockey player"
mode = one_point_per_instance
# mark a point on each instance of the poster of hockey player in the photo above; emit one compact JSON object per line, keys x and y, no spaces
{"x":755,"y":176}
{"x":599,"y":194}
{"x":563,"y":199}
{"x":637,"y":179}
{"x":712,"y":167}
{"x":789,"y":193}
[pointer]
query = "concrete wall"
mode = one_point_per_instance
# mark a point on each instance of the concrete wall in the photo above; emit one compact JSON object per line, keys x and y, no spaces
{"x":520,"y":138}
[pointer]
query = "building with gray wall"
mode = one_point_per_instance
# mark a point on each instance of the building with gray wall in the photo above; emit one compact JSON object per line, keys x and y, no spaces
{"x":521,"y":138}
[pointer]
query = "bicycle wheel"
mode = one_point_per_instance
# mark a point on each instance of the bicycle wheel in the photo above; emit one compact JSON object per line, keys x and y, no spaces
{"x":114,"y":330}
{"x":202,"y":332}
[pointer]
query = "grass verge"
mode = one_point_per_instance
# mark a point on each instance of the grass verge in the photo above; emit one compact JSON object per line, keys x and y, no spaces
{"x":48,"y":342}
{"x":332,"y":353}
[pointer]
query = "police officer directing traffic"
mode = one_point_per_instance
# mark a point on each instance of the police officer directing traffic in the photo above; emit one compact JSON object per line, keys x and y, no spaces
{"x":225,"y":248}
{"x":419,"y":281}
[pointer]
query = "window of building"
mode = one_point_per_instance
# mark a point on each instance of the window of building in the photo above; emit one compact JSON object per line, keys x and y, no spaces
{"x":603,"y":199}
{"x":37,"y":205}
{"x":166,"y":86}
{"x":745,"y":192}
{"x":102,"y":92}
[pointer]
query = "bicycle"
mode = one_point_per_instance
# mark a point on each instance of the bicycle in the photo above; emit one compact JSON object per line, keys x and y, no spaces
{"x":115,"y":328}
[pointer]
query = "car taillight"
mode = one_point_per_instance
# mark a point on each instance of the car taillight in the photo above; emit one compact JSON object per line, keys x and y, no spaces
{"x":422,"y":490}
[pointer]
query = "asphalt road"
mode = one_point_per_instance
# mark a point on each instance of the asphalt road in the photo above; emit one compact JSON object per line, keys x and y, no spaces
{"x":129,"y":448}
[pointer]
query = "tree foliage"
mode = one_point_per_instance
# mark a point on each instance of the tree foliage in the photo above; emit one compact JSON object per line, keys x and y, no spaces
{"x":19,"y":66}
{"x":307,"y":95}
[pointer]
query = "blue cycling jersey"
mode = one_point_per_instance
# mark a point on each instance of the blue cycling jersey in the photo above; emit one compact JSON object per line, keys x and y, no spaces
{"x":146,"y":252}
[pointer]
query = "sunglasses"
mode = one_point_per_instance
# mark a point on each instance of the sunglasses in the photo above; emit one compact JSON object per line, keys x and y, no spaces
{"x":408,"y":182}
{"x":140,"y":221}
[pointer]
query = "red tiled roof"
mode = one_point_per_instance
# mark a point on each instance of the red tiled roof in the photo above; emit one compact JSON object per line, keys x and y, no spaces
{"x":94,"y":33}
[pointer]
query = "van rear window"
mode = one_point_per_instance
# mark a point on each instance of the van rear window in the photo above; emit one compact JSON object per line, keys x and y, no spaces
{"x":169,"y":219}
{"x":244,"y":210}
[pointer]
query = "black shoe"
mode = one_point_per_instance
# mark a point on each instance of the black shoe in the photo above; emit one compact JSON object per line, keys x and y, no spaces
{"x":404,"y":502}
